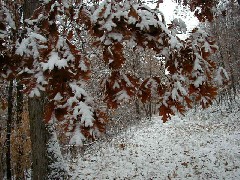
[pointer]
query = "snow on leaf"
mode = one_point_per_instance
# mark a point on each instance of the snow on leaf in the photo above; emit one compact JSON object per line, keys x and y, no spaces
{"x":109,"y":25}
{"x":54,"y":61}
{"x":98,"y":12}
{"x":77,"y":90}
{"x":122,"y":96}
{"x":58,"y":97}
{"x":87,"y":114}
{"x":116,"y":85}
{"x":197,"y":65}
{"x":219,"y":76}
{"x":77,"y":138}
{"x":34,"y":92}
{"x":174,"y":94}
{"x":9,"y":18}
{"x":31,"y":45}
{"x":115,"y":36}
{"x":199,"y":81}
{"x":38,"y":37}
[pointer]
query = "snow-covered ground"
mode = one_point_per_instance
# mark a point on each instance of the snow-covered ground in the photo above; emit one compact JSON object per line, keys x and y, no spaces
{"x":203,"y":145}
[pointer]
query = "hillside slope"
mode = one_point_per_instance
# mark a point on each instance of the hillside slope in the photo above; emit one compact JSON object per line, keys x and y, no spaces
{"x":203,"y":145}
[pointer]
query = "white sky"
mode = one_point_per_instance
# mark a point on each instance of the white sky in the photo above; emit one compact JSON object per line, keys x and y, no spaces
{"x":168,"y":7}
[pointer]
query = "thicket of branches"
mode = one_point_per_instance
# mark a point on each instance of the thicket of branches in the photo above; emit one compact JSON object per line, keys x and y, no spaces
{"x":226,"y":31}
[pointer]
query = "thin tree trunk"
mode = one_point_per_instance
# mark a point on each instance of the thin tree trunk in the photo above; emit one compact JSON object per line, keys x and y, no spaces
{"x":1,"y":158}
{"x":1,"y":163}
{"x":20,"y":149}
{"x":2,"y":136}
{"x":9,"y":128}
{"x":19,"y":103}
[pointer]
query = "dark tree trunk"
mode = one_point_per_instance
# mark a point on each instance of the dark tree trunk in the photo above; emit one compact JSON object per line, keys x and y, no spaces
{"x":29,"y":7}
{"x":9,"y":129}
{"x":2,"y":133}
{"x":47,"y":161}
{"x":20,"y":149}
{"x":38,"y":132}
{"x":19,"y":103}
{"x":44,"y":158}
{"x":1,"y":162}
{"x":39,"y":138}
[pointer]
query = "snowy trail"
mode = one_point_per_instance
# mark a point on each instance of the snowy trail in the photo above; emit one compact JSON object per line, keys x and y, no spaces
{"x":193,"y":148}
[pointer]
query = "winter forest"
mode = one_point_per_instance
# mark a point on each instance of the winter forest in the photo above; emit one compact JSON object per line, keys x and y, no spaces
{"x":119,"y":89}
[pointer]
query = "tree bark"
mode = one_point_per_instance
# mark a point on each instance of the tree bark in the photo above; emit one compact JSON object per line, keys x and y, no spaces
{"x":2,"y":132}
{"x":1,"y":157}
{"x":47,"y":162}
{"x":39,"y":138}
{"x":38,"y":132}
{"x":29,"y":7}
{"x":9,"y":130}
{"x":20,"y":149}
{"x":1,"y":164}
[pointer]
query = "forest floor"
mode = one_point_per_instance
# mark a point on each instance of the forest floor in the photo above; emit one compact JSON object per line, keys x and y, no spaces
{"x":205,"y":144}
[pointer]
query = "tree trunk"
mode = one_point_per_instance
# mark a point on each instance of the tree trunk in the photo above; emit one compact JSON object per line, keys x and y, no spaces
{"x":9,"y":129}
{"x":1,"y":163}
{"x":45,"y":158}
{"x":39,"y":138}
{"x":38,"y":132}
{"x":47,"y":161}
{"x":2,"y":133}
{"x":20,"y":149}
{"x":1,"y":157}
{"x":29,"y":7}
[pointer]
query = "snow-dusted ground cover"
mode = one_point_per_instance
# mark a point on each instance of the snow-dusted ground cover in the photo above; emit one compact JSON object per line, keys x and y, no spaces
{"x":203,"y":145}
